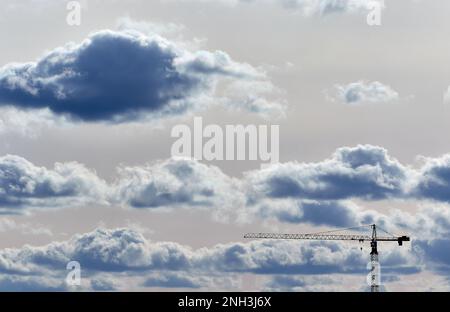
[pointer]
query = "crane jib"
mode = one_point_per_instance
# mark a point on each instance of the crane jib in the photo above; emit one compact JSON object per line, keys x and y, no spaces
{"x":359,"y":238}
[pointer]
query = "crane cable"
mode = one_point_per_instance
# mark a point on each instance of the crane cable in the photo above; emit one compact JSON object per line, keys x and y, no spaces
{"x":353,"y":228}
{"x":343,"y":229}
{"x":386,"y":231}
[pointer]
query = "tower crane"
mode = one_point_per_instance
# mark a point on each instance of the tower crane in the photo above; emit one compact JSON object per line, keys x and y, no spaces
{"x":373,"y":239}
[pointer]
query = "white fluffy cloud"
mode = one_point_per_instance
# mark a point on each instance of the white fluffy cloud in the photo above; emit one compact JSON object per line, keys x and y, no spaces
{"x":24,"y":185}
{"x":317,"y":193}
{"x":177,"y":182}
{"x":27,"y":124}
{"x":26,"y":228}
{"x":363,"y":92}
{"x":116,"y":258}
{"x":127,"y":253}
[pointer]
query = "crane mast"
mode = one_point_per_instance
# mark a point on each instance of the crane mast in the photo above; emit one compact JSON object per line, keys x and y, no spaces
{"x":373,"y":239}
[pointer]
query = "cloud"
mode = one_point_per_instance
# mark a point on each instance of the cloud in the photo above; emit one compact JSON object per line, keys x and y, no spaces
{"x":177,"y":183}
{"x":331,"y":213}
{"x":127,"y":253}
{"x":185,"y":183}
{"x":26,"y":123}
{"x":365,"y":172}
{"x":25,"y":228}
{"x":325,"y":7}
{"x":436,"y":252}
{"x":169,"y":184}
{"x":102,"y":284}
{"x":362,"y":92}
{"x":150,"y":28}
{"x":304,"y":7}
{"x":121,"y":250}
{"x":192,"y":280}
{"x":172,"y":280}
{"x":102,"y":250}
{"x":434,"y":181}
{"x":92,"y":82}
{"x":18,"y":283}
{"x":302,"y":283}
{"x":24,"y":185}
{"x":317,"y":193}
{"x":320,"y":283}
{"x":282,"y":257}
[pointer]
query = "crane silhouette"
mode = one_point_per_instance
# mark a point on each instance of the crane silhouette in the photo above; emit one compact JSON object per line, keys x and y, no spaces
{"x":329,"y":235}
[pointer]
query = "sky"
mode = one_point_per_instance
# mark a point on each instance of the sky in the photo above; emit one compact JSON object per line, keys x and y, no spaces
{"x":87,"y":114}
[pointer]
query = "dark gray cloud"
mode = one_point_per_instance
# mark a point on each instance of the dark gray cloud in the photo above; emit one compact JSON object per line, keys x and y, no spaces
{"x":119,"y":76}
{"x":111,"y":75}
